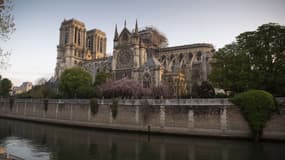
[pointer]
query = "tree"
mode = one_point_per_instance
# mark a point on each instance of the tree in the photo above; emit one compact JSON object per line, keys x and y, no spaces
{"x":7,"y":27}
{"x":5,"y":87}
{"x":75,"y":82}
{"x":257,"y":106}
{"x":255,"y":61}
{"x":101,"y":77}
{"x":206,"y":90}
{"x":125,"y":88}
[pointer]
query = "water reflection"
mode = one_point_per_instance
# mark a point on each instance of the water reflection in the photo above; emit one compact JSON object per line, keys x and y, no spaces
{"x":34,"y":141}
{"x":24,"y":148}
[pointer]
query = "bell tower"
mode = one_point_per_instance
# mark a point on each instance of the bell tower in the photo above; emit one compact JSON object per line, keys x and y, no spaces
{"x":71,"y":48}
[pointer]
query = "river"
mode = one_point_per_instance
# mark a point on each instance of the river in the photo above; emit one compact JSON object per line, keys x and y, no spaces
{"x":34,"y":141}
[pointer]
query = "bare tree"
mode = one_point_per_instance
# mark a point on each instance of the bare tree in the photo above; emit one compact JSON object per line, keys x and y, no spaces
{"x":7,"y":27}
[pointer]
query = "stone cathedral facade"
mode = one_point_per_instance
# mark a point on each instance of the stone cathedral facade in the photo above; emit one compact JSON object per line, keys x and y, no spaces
{"x":139,"y":54}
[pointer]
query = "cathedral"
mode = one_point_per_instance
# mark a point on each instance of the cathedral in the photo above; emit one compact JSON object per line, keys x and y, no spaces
{"x":139,"y":54}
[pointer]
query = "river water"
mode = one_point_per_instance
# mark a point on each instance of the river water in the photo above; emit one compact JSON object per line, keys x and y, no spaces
{"x":34,"y":141}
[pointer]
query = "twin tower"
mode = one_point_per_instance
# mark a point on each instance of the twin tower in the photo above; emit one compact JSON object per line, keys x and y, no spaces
{"x":77,"y":45}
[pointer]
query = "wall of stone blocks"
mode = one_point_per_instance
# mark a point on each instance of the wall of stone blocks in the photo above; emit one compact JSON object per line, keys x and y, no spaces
{"x":208,"y":117}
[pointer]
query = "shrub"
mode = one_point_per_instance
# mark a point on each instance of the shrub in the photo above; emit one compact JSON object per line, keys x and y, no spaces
{"x":94,"y":106}
{"x":114,"y":108}
{"x":45,"y":105}
{"x":206,"y":90}
{"x":257,"y":107}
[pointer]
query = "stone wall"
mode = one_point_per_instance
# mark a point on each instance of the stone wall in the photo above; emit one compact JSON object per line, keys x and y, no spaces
{"x":202,"y":117}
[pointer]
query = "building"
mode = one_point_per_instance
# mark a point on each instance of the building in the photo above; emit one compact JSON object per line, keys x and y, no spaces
{"x":24,"y":87}
{"x":77,"y":45}
{"x":139,"y":54}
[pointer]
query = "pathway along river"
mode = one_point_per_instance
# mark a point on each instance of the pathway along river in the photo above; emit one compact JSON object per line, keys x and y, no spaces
{"x":34,"y":141}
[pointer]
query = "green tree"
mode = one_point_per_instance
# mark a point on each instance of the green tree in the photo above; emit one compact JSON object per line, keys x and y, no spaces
{"x":5,"y":87}
{"x":101,"y":77}
{"x":75,"y":82}
{"x":255,"y":61}
{"x":7,"y":27}
{"x":257,"y":106}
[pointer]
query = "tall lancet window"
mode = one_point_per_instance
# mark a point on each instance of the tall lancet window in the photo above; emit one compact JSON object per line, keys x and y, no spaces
{"x":66,"y":37}
{"x":78,"y":37}
{"x":75,"y":35}
{"x":89,"y":43}
{"x":101,"y":45}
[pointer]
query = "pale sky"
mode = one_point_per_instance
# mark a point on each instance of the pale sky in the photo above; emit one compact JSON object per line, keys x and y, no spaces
{"x":33,"y":44}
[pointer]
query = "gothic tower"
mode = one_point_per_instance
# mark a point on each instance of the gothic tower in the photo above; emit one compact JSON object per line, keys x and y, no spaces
{"x":76,"y":45}
{"x":127,"y":53}
{"x":96,"y":44}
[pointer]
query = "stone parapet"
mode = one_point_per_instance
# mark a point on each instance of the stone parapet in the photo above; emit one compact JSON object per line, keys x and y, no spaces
{"x":202,"y":117}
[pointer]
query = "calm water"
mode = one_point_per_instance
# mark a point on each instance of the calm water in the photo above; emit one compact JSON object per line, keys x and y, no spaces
{"x":34,"y":141}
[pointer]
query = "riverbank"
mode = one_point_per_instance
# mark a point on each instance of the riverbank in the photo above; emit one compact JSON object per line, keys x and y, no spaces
{"x":199,"y":117}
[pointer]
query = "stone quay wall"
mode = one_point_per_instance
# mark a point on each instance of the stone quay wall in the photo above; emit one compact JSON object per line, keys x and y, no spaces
{"x":200,"y":117}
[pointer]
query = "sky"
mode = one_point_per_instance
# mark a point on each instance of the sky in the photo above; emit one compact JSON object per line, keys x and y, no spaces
{"x":33,"y":44}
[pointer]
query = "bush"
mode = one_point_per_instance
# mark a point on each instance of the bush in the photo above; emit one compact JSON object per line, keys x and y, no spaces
{"x":257,"y":107}
{"x":114,"y":108}
{"x":45,"y":101}
{"x":205,"y":90}
{"x":94,"y":106}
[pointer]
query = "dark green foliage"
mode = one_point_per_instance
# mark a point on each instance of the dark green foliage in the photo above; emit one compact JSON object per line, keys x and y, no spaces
{"x":255,"y":61}
{"x":5,"y":87}
{"x":101,"y":77}
{"x":94,"y":106}
{"x":114,"y":108}
{"x":75,"y":82}
{"x":205,"y":90}
{"x":257,"y":107}
{"x":45,"y":101}
{"x":86,"y":92}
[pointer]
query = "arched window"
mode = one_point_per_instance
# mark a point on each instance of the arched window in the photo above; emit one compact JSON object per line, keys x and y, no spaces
{"x":101,"y":45}
{"x":66,"y":37}
{"x":75,"y":35}
{"x":199,"y":54}
{"x":172,"y":57}
{"x":79,"y":37}
{"x":180,"y":57}
{"x":125,"y":37}
{"x":89,"y":43}
{"x":163,"y":58}
{"x":190,"y":56}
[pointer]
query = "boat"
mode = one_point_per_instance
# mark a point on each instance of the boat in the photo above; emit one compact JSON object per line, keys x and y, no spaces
{"x":6,"y":156}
